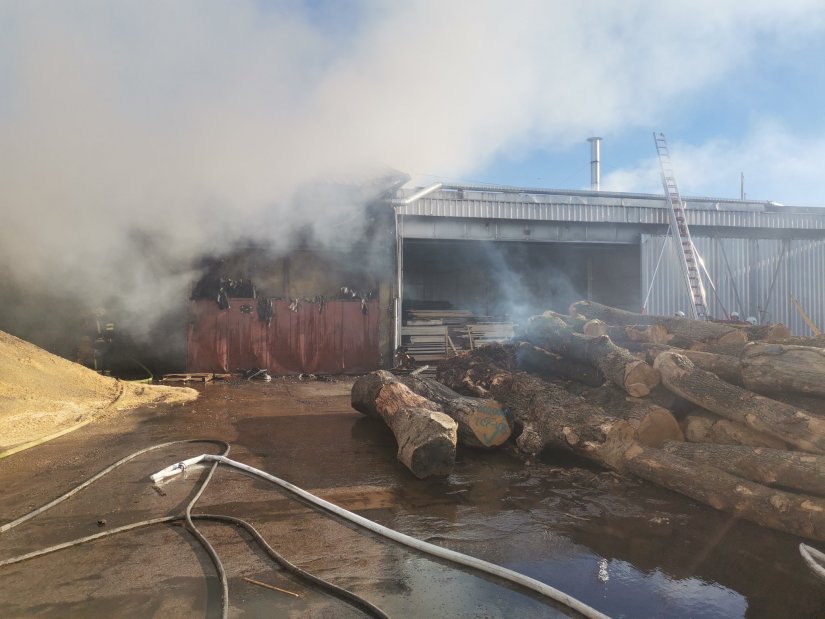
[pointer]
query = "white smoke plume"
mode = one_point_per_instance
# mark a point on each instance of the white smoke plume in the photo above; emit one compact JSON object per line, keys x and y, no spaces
{"x":135,"y":135}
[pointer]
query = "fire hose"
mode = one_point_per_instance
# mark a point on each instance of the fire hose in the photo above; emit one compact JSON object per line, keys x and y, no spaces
{"x":351,"y":598}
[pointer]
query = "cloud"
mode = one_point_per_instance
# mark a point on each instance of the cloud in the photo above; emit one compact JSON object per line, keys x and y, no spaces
{"x":778,"y":165}
{"x":175,"y":128}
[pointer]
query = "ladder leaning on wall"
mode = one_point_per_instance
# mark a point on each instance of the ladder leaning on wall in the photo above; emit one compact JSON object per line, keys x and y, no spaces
{"x":689,"y":258}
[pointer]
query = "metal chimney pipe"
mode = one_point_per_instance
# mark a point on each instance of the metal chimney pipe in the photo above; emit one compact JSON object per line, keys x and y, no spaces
{"x":595,"y":163}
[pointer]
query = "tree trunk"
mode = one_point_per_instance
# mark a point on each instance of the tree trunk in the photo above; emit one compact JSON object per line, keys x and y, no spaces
{"x":426,"y":437}
{"x":795,"y":340}
{"x":704,"y":427}
{"x":594,"y":328}
{"x":731,"y":349}
{"x":576,"y":323}
{"x":780,"y":367}
{"x":617,"y":364}
{"x":550,"y":416}
{"x":550,"y":365}
{"x":774,"y":467}
{"x":784,"y":511}
{"x":682,"y":332}
{"x":653,"y":425}
{"x":481,"y":422}
{"x":726,"y":367}
{"x":652,"y":334}
{"x":770,"y":332}
{"x":704,"y":389}
{"x":812,"y":404}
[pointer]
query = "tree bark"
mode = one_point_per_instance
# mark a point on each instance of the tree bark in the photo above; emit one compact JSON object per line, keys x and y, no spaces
{"x":652,"y":334}
{"x":482,"y":422}
{"x":705,"y":427}
{"x":795,"y":340}
{"x":812,"y":404}
{"x":779,"y":367}
{"x":617,"y":364}
{"x":549,"y":415}
{"x":726,"y":367}
{"x":595,"y":327}
{"x":550,"y":365}
{"x":704,"y":389}
{"x":770,"y":332}
{"x":784,"y":511}
{"x":731,"y":349}
{"x":682,"y":332}
{"x":653,"y":425}
{"x":774,"y":467}
{"x":576,"y":323}
{"x":426,"y":437}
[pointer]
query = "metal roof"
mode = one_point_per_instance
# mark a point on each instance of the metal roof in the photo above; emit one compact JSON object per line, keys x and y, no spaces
{"x":523,"y":204}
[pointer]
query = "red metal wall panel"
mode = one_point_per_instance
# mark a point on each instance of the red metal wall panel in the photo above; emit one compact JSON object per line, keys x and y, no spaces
{"x":338,"y":337}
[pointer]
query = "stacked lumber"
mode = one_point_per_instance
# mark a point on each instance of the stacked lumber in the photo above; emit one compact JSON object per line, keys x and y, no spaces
{"x":730,"y":416}
{"x":433,"y":335}
{"x":425,"y":342}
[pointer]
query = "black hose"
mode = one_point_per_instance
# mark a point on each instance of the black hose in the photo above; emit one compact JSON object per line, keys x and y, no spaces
{"x":342,"y":594}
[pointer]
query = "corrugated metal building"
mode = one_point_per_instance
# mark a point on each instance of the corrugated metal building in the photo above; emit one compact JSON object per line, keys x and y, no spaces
{"x":513,"y":250}
{"x":504,"y":253}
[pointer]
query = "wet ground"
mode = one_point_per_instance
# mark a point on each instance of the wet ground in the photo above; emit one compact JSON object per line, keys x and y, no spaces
{"x":625,"y":548}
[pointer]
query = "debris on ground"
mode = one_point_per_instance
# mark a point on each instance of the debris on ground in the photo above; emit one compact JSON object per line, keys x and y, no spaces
{"x":195,"y":377}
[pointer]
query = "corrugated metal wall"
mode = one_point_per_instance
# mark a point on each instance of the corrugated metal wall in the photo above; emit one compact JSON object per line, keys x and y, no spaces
{"x":754,"y":277}
{"x":338,"y":337}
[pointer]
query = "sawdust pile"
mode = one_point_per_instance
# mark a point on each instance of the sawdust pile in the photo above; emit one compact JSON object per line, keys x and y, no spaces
{"x":41,"y":393}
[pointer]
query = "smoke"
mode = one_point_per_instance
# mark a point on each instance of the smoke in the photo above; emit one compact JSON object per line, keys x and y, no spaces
{"x":137,"y":135}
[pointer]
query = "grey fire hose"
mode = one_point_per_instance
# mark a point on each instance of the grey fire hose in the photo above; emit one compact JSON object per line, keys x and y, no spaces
{"x":419,"y":545}
{"x":343,"y":594}
{"x":406,"y":540}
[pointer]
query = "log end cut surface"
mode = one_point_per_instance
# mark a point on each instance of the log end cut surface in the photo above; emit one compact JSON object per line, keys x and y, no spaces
{"x":428,"y":444}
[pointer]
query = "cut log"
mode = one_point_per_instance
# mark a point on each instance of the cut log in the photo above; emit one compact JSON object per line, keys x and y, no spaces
{"x":704,"y":427}
{"x":731,"y":349}
{"x":652,"y":334}
{"x":774,"y":467}
{"x":758,"y":333}
{"x":784,"y":511}
{"x":653,"y":425}
{"x":780,"y":367}
{"x":576,"y":323}
{"x":795,"y":340}
{"x":549,"y":365}
{"x":482,"y":422}
{"x":812,"y":404}
{"x":426,"y":437}
{"x":617,"y":364}
{"x":549,"y":415}
{"x":682,"y":332}
{"x":726,"y":367}
{"x":792,"y":425}
{"x":594,"y":328}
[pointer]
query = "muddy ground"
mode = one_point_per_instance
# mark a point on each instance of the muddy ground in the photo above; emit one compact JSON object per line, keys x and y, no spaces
{"x":626,"y":548}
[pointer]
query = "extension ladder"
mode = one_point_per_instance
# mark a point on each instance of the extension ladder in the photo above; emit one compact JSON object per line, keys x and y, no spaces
{"x":688,"y":256}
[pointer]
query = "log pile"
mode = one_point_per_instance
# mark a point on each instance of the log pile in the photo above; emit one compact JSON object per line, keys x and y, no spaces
{"x":730,"y":415}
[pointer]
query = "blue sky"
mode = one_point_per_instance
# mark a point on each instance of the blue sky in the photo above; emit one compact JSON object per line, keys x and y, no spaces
{"x":773,"y":97}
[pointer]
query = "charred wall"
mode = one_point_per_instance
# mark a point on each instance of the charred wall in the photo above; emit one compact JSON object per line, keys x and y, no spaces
{"x":306,"y":286}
